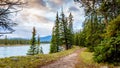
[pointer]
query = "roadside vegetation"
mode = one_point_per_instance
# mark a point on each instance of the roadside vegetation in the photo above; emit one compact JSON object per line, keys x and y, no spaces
{"x":85,"y":60}
{"x":101,"y":30}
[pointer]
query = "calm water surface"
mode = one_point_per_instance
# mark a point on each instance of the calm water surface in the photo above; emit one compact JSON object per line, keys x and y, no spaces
{"x":8,"y":51}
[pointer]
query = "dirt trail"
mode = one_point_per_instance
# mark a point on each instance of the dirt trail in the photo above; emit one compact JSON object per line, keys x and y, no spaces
{"x":65,"y":62}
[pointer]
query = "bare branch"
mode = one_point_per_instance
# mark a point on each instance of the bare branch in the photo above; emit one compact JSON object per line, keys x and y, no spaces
{"x":6,"y":8}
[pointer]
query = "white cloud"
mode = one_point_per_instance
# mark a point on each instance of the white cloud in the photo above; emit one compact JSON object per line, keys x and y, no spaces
{"x":41,"y":14}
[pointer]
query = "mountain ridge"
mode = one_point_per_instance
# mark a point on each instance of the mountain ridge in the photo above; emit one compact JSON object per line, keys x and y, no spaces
{"x":42,"y":39}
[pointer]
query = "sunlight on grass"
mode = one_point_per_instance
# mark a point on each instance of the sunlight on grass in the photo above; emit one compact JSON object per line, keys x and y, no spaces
{"x":87,"y":56}
{"x":88,"y":62}
{"x":85,"y":60}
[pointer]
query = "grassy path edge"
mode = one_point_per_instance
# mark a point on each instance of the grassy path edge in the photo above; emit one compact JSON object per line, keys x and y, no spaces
{"x":85,"y":60}
{"x":33,"y":61}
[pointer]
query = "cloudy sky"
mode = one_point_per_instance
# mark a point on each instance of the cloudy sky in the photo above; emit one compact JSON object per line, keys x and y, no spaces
{"x":41,"y":14}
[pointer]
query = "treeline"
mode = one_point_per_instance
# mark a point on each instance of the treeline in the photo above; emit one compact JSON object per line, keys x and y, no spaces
{"x":101,"y":30}
{"x":62,"y":35}
{"x":17,"y":41}
{"x":13,"y":41}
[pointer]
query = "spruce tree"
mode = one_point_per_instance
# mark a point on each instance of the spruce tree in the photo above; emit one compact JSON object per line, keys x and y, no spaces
{"x":53,"y":47}
{"x":70,"y":23}
{"x":57,"y":32}
{"x":55,"y":43}
{"x":38,"y":42}
{"x":32,"y":50}
{"x":39,"y":49}
{"x":62,"y":33}
{"x":66,"y":32}
{"x":70,"y":30}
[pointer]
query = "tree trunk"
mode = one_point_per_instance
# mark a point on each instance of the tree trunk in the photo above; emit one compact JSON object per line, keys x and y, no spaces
{"x":106,"y":20}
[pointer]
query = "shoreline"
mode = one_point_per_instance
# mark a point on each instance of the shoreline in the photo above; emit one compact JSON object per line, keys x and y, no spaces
{"x":1,"y":45}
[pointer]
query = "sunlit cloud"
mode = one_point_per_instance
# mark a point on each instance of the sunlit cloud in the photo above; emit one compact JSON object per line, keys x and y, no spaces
{"x":41,"y":14}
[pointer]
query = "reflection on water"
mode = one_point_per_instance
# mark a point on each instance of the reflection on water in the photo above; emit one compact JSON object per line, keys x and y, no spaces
{"x":7,"y":51}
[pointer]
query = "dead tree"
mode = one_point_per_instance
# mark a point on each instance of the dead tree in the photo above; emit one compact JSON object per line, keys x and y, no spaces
{"x":7,"y":7}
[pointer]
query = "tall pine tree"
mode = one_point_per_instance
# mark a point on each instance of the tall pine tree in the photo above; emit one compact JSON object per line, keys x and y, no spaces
{"x":55,"y":43}
{"x":33,"y":47}
{"x":62,"y":35}
{"x":70,"y":23}
{"x":66,"y":30}
{"x":70,"y":28}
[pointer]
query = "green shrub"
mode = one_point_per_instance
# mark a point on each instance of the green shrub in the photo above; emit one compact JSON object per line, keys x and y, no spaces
{"x":108,"y":51}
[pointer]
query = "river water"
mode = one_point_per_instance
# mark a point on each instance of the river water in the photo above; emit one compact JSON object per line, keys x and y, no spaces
{"x":21,"y":50}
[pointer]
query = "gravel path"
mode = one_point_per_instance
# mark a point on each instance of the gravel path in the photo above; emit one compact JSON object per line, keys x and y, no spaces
{"x":65,"y":62}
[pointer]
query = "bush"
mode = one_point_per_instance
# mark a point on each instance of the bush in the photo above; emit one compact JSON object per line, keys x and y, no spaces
{"x":108,"y":51}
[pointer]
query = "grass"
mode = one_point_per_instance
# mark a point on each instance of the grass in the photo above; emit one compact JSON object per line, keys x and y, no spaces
{"x":85,"y":60}
{"x":33,"y":61}
{"x":87,"y":56}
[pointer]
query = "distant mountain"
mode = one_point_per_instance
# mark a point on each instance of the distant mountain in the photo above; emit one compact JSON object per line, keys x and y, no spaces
{"x":18,"y":39}
{"x":46,"y":39}
{"x":42,"y":39}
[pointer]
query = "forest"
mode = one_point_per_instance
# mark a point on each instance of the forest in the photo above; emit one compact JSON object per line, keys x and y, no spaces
{"x":100,"y":33}
{"x":13,"y":41}
{"x":96,"y":45}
